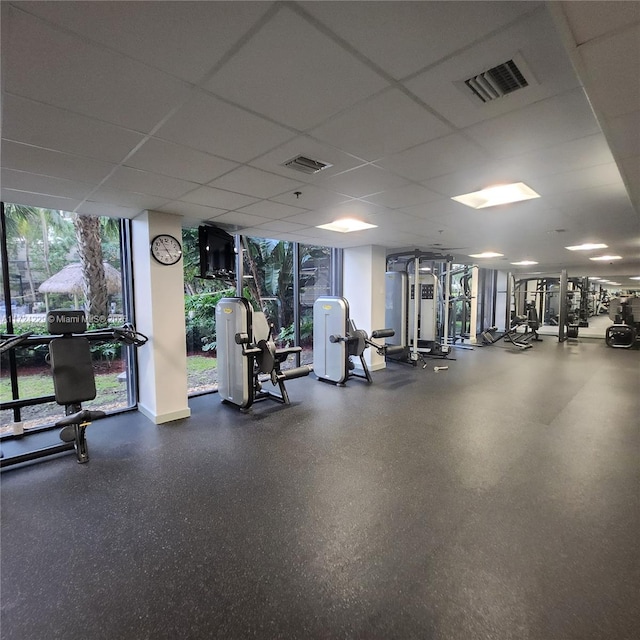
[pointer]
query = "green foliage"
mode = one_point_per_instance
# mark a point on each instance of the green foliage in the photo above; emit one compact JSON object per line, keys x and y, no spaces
{"x":287,"y":334}
{"x":108,"y":351}
{"x":32,"y":356}
{"x":201,"y":319}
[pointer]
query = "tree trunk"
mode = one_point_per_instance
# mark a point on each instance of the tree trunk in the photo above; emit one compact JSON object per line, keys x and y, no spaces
{"x":94,"y":281}
{"x":27,"y":261}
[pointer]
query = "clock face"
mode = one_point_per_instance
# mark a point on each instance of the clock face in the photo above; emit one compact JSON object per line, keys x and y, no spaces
{"x":166,"y":249}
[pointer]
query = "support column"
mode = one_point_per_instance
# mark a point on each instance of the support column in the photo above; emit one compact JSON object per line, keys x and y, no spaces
{"x":159,"y":304}
{"x":363,"y":287}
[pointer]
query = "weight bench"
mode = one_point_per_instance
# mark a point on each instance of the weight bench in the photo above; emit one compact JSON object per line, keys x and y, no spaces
{"x":73,"y":377}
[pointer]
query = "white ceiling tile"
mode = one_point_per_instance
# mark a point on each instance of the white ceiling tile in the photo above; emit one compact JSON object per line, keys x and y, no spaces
{"x":477,"y":177}
{"x":540,"y":125}
{"x":28,"y":199}
{"x":177,"y":161}
{"x":61,"y":69}
{"x":588,"y":20}
{"x":109,"y":209}
{"x":399,"y":123}
{"x":138,"y":201}
{"x":184,"y":39}
{"x":44,"y":126}
{"x":127,"y":179}
{"x":313,"y":218}
{"x":436,"y":209}
{"x":576,"y":154}
{"x":624,"y":134}
{"x":630,"y":167}
{"x":190,"y":210}
{"x":53,"y":163}
{"x":435,"y":158}
{"x":282,"y":226}
{"x":311,"y":197}
{"x":218,"y":198}
{"x":254,"y":182}
{"x":613,"y":68}
{"x":363,"y":181}
{"x":240,"y":219}
{"x":546,"y":68}
{"x":576,"y":180}
{"x":310,"y":148}
{"x":100,"y":97}
{"x":403,"y":37}
{"x":601,"y":200}
{"x":211,"y":125}
{"x":272,"y":210}
{"x":22,"y":181}
{"x":404,"y":196}
{"x":300,"y":60}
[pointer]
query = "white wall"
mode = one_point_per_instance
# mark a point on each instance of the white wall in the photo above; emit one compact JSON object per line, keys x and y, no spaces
{"x":363,"y":287}
{"x":159,"y":305}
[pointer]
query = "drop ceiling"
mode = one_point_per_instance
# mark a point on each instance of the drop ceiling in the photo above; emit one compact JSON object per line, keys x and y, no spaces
{"x":193,"y":108}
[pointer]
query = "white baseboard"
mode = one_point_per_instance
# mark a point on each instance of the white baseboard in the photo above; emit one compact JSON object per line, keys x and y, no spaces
{"x":164,"y":417}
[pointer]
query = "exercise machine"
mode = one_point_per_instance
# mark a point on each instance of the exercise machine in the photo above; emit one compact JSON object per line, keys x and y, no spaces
{"x":417,"y":296}
{"x":247,"y":356}
{"x":521,"y":333}
{"x":73,"y":376}
{"x":337,"y":341}
{"x":625,"y":333}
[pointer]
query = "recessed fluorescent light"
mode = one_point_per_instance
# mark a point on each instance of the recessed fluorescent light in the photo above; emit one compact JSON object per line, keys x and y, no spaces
{"x":500,"y":194}
{"x":524,"y":263}
{"x":604,"y":258}
{"x":634,"y":278}
{"x":486,"y":254}
{"x":346,"y":225}
{"x":425,"y":268}
{"x":588,"y":246}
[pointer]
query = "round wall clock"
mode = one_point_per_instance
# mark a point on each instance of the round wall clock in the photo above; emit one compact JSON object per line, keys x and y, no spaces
{"x":166,"y":249}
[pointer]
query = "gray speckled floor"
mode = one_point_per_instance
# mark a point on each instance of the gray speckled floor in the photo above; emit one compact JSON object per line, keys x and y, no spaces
{"x":497,"y":500}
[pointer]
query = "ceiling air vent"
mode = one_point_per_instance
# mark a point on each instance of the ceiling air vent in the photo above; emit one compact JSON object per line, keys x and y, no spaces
{"x":305,"y":165}
{"x":497,"y":82}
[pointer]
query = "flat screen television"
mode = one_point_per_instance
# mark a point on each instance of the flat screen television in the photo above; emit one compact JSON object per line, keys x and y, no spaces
{"x":217,"y":253}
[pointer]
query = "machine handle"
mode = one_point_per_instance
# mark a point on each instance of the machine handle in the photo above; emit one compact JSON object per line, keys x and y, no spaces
{"x":383,"y":333}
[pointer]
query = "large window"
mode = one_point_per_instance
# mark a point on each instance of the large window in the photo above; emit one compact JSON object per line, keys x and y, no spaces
{"x":200,"y":299}
{"x":315,"y":281}
{"x":59,"y":260}
{"x":274,"y":273}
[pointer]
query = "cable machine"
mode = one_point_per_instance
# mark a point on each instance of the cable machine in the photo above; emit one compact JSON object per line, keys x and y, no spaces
{"x":417,"y":296}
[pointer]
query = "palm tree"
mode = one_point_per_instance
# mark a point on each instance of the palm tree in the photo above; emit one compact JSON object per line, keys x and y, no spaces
{"x":89,"y":243}
{"x":270,"y":264}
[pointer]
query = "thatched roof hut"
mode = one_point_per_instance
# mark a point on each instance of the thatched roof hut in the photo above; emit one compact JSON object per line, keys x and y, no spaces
{"x":69,"y":280}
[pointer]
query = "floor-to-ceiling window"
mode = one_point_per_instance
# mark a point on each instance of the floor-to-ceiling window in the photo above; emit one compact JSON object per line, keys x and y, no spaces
{"x":200,"y":298}
{"x":57,"y":260}
{"x":316,"y":264}
{"x":272,"y":271}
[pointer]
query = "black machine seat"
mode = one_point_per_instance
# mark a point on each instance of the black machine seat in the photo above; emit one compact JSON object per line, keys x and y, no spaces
{"x":357,"y":341}
{"x":72,"y":370}
{"x":266,"y":359}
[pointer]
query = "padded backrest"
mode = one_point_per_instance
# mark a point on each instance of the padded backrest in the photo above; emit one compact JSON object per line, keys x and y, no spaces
{"x":72,"y":370}
{"x":66,"y":321}
{"x":260,"y":326}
